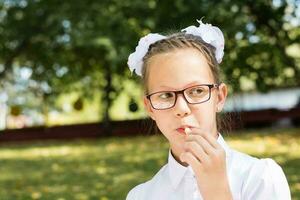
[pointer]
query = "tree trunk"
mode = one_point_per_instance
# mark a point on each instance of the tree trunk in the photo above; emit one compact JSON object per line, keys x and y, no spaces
{"x":107,"y":101}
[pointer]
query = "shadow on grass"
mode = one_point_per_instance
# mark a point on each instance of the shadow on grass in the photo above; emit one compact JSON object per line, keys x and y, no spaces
{"x":291,"y":169}
{"x":101,"y":169}
{"x":106,"y":169}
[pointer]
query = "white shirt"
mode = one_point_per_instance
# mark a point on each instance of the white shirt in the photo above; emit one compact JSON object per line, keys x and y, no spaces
{"x":250,"y":178}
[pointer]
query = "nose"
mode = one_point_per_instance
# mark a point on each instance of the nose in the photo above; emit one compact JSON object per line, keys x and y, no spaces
{"x":181,"y":107}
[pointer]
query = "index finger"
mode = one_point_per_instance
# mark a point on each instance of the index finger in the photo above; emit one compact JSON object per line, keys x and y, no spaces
{"x":209,"y":137}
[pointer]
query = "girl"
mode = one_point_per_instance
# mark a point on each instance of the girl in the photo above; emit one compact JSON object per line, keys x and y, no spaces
{"x":184,"y":93}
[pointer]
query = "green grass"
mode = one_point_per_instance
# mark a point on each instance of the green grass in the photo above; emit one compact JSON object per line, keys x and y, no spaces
{"x":105,"y":169}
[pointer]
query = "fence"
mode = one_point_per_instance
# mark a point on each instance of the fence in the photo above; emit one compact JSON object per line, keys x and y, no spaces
{"x":138,"y":127}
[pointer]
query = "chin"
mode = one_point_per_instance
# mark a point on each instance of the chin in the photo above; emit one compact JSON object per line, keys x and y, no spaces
{"x":179,"y":145}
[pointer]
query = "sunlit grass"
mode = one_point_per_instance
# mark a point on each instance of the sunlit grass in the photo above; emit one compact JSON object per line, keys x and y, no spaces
{"x":106,"y":169}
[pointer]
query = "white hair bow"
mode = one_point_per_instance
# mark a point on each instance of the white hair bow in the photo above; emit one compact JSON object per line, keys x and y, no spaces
{"x":209,"y":34}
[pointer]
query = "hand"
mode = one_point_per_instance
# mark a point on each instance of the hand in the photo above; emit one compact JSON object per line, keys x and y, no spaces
{"x":208,"y":160}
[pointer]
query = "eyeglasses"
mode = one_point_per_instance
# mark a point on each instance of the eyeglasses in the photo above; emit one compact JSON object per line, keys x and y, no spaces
{"x":193,"y":95}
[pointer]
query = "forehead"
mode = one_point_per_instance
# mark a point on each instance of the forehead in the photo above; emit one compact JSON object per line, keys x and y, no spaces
{"x":178,"y":69}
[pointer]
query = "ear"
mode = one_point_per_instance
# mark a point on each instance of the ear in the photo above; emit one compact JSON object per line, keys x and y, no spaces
{"x":148,"y":107}
{"x":222,"y":95}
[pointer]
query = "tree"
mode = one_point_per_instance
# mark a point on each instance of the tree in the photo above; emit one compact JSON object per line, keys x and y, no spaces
{"x":84,"y":45}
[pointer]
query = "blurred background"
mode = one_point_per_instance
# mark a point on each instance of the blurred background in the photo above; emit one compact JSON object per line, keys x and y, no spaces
{"x":71,"y":111}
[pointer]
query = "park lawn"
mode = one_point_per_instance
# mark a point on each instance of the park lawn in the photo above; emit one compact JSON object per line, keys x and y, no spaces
{"x":103,"y":169}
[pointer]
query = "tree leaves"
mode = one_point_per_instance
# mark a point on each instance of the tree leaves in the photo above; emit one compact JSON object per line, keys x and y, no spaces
{"x":67,"y":43}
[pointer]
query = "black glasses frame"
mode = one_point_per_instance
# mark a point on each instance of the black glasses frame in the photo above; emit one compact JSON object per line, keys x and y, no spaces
{"x":210,"y":86}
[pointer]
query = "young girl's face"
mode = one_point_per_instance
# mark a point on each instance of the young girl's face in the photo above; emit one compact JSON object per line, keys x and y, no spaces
{"x":178,"y":70}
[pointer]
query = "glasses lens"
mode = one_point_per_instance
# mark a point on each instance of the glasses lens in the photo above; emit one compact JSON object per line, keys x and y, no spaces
{"x":197,"y":94}
{"x":162,"y":100}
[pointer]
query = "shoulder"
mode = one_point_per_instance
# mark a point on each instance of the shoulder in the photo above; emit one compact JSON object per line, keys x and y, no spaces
{"x":135,"y":193}
{"x":259,"y":178}
{"x":241,"y":163}
{"x":267,"y":171}
{"x":266,"y":179}
{"x":142,"y":190}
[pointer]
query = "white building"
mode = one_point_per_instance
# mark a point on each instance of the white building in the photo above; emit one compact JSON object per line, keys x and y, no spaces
{"x":282,"y":99}
{"x":3,"y":110}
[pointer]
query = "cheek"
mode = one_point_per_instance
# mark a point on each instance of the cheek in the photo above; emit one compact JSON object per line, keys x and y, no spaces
{"x":163,"y":121}
{"x":205,"y":114}
{"x":162,"y":117}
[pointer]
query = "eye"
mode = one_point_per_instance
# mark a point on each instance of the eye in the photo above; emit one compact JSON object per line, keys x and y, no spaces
{"x":197,"y":91}
{"x":166,"y":95}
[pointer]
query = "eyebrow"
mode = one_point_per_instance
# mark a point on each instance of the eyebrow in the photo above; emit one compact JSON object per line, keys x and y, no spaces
{"x":188,"y":85}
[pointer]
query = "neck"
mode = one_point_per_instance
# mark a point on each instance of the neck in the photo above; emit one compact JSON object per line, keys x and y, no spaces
{"x":177,"y":158}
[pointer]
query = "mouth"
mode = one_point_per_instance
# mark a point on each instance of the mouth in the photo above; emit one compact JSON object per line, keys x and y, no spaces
{"x":181,"y":130}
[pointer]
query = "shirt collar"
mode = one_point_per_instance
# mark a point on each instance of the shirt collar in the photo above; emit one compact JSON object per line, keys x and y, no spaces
{"x":178,"y":171}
